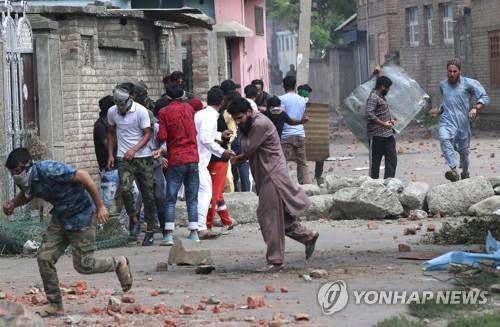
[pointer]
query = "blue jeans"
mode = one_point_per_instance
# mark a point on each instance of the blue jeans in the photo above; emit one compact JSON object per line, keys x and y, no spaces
{"x":241,"y":173}
{"x":188,"y":176}
{"x":109,"y":185}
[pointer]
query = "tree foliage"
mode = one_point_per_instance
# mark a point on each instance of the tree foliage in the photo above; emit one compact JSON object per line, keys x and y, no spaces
{"x":325,"y":17}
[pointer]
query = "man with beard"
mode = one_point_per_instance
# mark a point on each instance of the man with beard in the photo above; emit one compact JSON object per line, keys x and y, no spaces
{"x":380,"y":130}
{"x":281,"y":201}
{"x":77,"y":208}
{"x":130,"y":126}
{"x":456,"y":113}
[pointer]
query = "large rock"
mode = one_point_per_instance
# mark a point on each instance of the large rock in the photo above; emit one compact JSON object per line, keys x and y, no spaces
{"x":395,"y":185}
{"x":366,"y":203}
{"x":187,"y":252}
{"x":320,"y":207}
{"x":15,"y":314}
{"x":372,"y":183}
{"x":335,"y":183}
{"x":458,"y":197}
{"x":242,"y":207}
{"x":487,"y":207}
{"x":494,"y":181}
{"x":413,"y":195}
{"x":311,"y":189}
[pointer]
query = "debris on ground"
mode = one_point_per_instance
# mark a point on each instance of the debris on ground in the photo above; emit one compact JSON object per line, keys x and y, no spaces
{"x":162,"y":266}
{"x":372,"y":225}
{"x":318,"y":273}
{"x":306,"y":277}
{"x":187,"y":252}
{"x":212,"y":300}
{"x":270,"y":289}
{"x":404,"y":248}
{"x":302,"y":317}
{"x":254,"y":302}
{"x":409,"y":231}
{"x":204,"y":269}
{"x":186,"y":309}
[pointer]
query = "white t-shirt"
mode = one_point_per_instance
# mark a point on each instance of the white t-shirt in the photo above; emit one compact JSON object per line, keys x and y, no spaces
{"x":129,"y":129}
{"x":253,"y":105}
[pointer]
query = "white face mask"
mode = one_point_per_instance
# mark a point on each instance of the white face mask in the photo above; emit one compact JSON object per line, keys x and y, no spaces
{"x":22,"y":180}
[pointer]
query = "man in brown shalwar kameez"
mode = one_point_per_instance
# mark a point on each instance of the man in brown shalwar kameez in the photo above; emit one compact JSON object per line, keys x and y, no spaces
{"x":281,"y":200}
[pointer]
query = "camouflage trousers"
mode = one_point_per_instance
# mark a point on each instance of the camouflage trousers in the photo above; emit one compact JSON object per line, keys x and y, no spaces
{"x":54,"y":243}
{"x":139,"y":170}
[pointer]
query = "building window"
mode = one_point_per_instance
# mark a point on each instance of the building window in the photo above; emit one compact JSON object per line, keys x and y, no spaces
{"x":87,"y":50}
{"x":259,"y":21}
{"x":447,"y":24}
{"x":494,"y":38}
{"x":371,"y":47}
{"x":428,"y":18}
{"x":287,"y":43}
{"x":412,"y":19}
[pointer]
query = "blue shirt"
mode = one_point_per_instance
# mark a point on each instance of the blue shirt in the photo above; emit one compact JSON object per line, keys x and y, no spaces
{"x":454,"y":121}
{"x":294,"y":106}
{"x":53,"y":182}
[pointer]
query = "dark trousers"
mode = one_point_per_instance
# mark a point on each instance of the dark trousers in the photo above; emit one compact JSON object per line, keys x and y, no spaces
{"x":383,"y":147}
{"x":241,"y":175}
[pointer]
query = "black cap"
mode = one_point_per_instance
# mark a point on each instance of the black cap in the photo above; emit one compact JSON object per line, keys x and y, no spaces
{"x":228,"y":85}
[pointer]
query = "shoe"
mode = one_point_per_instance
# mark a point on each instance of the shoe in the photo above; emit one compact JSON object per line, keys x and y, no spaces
{"x":452,"y":175}
{"x":168,"y":240}
{"x":193,"y":236}
{"x":270,"y":268}
{"x":50,"y":310}
{"x":320,"y":181}
{"x":148,"y":239}
{"x":232,"y":225}
{"x":464,"y":175}
{"x":310,"y":246}
{"x":135,"y":228}
{"x":207,"y":235}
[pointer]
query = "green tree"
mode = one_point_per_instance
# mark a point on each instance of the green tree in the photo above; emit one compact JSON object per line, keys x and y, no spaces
{"x":326,"y":16}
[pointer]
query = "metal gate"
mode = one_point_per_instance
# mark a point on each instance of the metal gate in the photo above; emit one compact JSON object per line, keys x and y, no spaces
{"x":18,"y":46}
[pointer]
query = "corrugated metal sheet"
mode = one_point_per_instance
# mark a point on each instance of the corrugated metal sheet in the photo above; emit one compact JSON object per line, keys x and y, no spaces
{"x":317,"y":132}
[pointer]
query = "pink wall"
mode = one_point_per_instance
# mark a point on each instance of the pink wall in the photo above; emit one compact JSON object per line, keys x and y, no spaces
{"x":250,"y":57}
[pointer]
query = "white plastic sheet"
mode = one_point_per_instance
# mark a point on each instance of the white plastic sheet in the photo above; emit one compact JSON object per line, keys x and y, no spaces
{"x":406,"y":100}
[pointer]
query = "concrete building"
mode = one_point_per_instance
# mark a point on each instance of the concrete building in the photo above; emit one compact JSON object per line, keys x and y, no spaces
{"x":429,"y":35}
{"x":485,"y":35}
{"x":379,"y":19}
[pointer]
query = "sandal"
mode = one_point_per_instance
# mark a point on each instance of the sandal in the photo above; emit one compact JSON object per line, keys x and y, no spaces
{"x":207,"y":235}
{"x":50,"y":310}
{"x":125,"y":277}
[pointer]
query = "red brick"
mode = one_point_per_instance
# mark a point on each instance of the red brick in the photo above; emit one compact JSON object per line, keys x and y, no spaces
{"x":255,"y":302}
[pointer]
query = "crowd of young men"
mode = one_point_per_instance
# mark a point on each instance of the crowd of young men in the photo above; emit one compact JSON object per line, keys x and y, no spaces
{"x":173,"y":142}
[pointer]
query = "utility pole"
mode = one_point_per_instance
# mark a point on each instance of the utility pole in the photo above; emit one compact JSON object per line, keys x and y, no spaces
{"x":304,"y":45}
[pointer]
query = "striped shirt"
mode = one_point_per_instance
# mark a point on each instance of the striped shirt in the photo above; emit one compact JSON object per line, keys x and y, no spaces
{"x":377,"y":108}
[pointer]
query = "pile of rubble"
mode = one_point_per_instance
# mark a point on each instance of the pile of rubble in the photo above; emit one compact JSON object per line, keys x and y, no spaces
{"x":360,"y":197}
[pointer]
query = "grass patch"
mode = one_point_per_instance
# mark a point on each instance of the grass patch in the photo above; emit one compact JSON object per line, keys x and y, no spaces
{"x":485,"y":320}
{"x":432,"y":309}
{"x":470,"y":231}
{"x":400,"y":322}
{"x":482,"y":280}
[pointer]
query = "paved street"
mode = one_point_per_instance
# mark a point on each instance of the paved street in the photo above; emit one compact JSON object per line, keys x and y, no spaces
{"x":365,"y":259}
